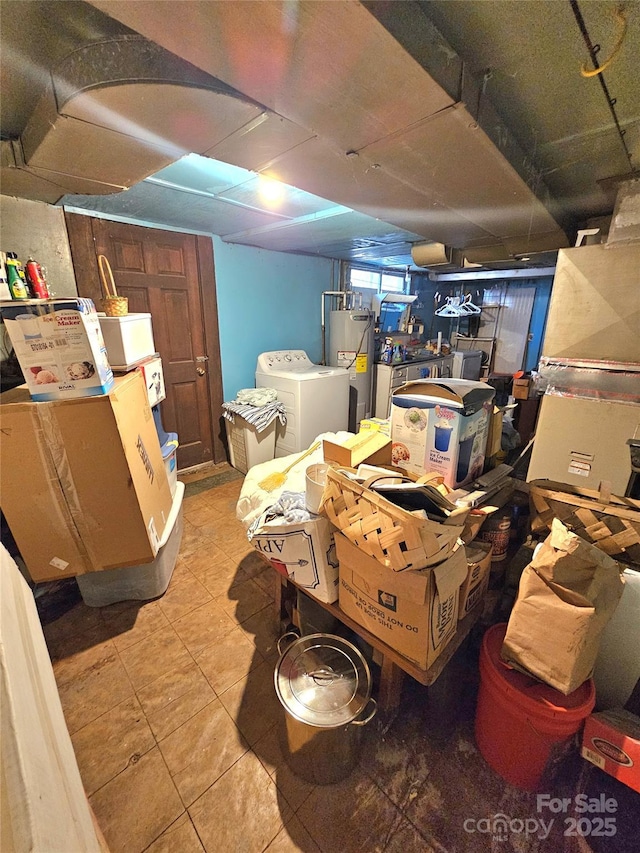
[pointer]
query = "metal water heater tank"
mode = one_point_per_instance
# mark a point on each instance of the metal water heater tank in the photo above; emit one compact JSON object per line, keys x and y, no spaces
{"x":351,"y":346}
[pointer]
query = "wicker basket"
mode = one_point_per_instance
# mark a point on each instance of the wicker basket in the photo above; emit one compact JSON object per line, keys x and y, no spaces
{"x":395,"y":537}
{"x":113,"y":305}
{"x":613,"y":526}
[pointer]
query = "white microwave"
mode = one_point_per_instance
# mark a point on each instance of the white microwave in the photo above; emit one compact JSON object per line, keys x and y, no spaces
{"x":467,"y":364}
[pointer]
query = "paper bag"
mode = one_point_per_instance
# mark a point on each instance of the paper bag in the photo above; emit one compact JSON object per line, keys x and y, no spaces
{"x":567,"y":594}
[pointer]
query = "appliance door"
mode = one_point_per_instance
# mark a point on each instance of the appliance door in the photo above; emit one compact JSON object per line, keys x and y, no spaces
{"x":467,"y":365}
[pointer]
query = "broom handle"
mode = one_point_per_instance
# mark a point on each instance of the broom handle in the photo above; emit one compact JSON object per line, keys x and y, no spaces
{"x":301,"y":457}
{"x":103,"y":262}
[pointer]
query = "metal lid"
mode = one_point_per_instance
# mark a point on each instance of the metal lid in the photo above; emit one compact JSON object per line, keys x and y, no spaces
{"x":323,"y":680}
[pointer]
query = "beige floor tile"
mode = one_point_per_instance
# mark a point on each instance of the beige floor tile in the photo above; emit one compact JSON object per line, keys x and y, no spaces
{"x":351,"y":816}
{"x":130,"y":622}
{"x":238,"y":548}
{"x":93,"y":691}
{"x":203,"y":626}
{"x":202,"y":514}
{"x":183,"y":597}
{"x":266,"y":580}
{"x":252,"y":703}
{"x":243,"y":600}
{"x":192,"y":540}
{"x":174,"y":698}
{"x":180,"y":837}
{"x":135,"y":807}
{"x":80,"y":619}
{"x":293,"y":838}
{"x":241,"y":812}
{"x":263,"y":630}
{"x":111,"y":743}
{"x":219,"y":579}
{"x":294,"y":788}
{"x":78,"y":657}
{"x":154,"y":656}
{"x":201,"y":750}
{"x":254,"y":564}
{"x":228,"y":660}
{"x":210,"y":559}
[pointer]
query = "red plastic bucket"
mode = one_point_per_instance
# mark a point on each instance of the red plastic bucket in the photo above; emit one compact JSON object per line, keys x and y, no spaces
{"x":519,"y":720}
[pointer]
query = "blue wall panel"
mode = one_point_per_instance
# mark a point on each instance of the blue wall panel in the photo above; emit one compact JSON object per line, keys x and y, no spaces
{"x":266,"y":301}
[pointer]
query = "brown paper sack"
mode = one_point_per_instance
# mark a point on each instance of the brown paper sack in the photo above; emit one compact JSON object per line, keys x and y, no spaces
{"x":567,"y":594}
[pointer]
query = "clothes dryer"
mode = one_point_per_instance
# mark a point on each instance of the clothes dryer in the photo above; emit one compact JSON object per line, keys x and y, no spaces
{"x":315,"y":397}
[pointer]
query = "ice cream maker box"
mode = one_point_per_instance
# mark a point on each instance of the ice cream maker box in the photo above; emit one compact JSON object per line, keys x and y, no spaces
{"x":59,"y":346}
{"x":441,"y":425}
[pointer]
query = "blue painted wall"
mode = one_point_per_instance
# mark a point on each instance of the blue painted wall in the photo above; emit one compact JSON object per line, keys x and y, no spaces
{"x":266,"y":301}
{"x":538,"y":321}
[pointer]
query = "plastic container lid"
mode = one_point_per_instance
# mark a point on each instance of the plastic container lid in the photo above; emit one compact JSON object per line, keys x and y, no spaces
{"x":532,"y":695}
{"x":323,"y":680}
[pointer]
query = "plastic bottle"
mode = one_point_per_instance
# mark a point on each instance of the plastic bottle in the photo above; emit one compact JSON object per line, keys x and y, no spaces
{"x":16,"y":277}
{"x":36,"y":279}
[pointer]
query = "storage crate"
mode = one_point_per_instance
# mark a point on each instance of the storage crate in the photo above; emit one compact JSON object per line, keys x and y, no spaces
{"x":613,"y":527}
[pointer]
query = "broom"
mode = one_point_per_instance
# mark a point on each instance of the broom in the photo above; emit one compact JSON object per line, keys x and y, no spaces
{"x":276,"y":479}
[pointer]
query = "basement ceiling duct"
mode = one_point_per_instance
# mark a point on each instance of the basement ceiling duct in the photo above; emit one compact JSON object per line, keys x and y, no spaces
{"x":116,"y":112}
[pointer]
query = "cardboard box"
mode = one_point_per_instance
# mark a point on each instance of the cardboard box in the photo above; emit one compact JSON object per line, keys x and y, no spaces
{"x":83,"y":483}
{"x":494,"y":434}
{"x":151,"y":369}
{"x":304,"y":552}
{"x":522,"y":388}
{"x":382,"y":425}
{"x":583,"y":442}
{"x":414,"y":612}
{"x":611,"y":741}
{"x":441,"y":425}
{"x":369,"y":446}
{"x":59,"y":346}
{"x":476,"y":583}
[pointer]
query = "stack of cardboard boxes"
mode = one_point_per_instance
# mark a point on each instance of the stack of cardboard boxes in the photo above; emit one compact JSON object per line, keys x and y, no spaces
{"x":83,"y":484}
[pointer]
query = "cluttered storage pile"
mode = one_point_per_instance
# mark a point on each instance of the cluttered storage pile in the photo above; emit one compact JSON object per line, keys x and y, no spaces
{"x":100,"y":465}
{"x":393,"y":530}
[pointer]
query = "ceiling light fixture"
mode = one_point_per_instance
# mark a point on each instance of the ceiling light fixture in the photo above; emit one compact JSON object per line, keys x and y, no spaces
{"x":271,"y":191}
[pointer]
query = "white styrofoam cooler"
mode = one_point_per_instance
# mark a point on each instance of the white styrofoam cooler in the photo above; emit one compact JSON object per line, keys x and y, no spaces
{"x":247,"y":446}
{"x":138,"y":582}
{"x":127,"y":339}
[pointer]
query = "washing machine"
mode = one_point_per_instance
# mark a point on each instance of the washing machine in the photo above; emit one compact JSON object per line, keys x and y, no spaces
{"x":315,"y":397}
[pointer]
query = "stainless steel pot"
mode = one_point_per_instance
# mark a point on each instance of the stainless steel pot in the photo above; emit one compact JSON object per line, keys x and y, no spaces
{"x":324,"y":685}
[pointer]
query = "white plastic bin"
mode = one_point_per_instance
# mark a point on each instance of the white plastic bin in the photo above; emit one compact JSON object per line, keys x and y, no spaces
{"x":127,"y":339}
{"x":169,"y":451}
{"x":138,"y":582}
{"x":247,"y":446}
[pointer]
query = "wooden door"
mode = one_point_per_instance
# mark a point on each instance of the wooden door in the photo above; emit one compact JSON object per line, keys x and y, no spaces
{"x":171,"y":276}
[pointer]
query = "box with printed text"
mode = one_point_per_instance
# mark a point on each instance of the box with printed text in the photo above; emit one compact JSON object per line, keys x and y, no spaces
{"x":413,"y":612}
{"x":59,"y":346}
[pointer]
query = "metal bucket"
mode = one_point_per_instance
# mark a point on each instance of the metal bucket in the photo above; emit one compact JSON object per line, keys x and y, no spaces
{"x":324,"y":685}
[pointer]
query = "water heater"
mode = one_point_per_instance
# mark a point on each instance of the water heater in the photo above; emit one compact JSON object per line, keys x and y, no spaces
{"x":351,"y":346}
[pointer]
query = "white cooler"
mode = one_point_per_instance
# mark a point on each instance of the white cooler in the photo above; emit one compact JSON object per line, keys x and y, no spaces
{"x":149,"y":580}
{"x":127,"y":339}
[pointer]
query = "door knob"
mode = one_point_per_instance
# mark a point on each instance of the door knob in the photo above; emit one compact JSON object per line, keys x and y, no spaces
{"x":200,"y":371}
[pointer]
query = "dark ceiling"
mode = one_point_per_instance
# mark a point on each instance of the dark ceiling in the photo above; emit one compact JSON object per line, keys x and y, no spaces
{"x":466,"y":125}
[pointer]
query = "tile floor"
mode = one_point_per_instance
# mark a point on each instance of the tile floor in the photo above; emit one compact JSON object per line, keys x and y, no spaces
{"x":173,"y":716}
